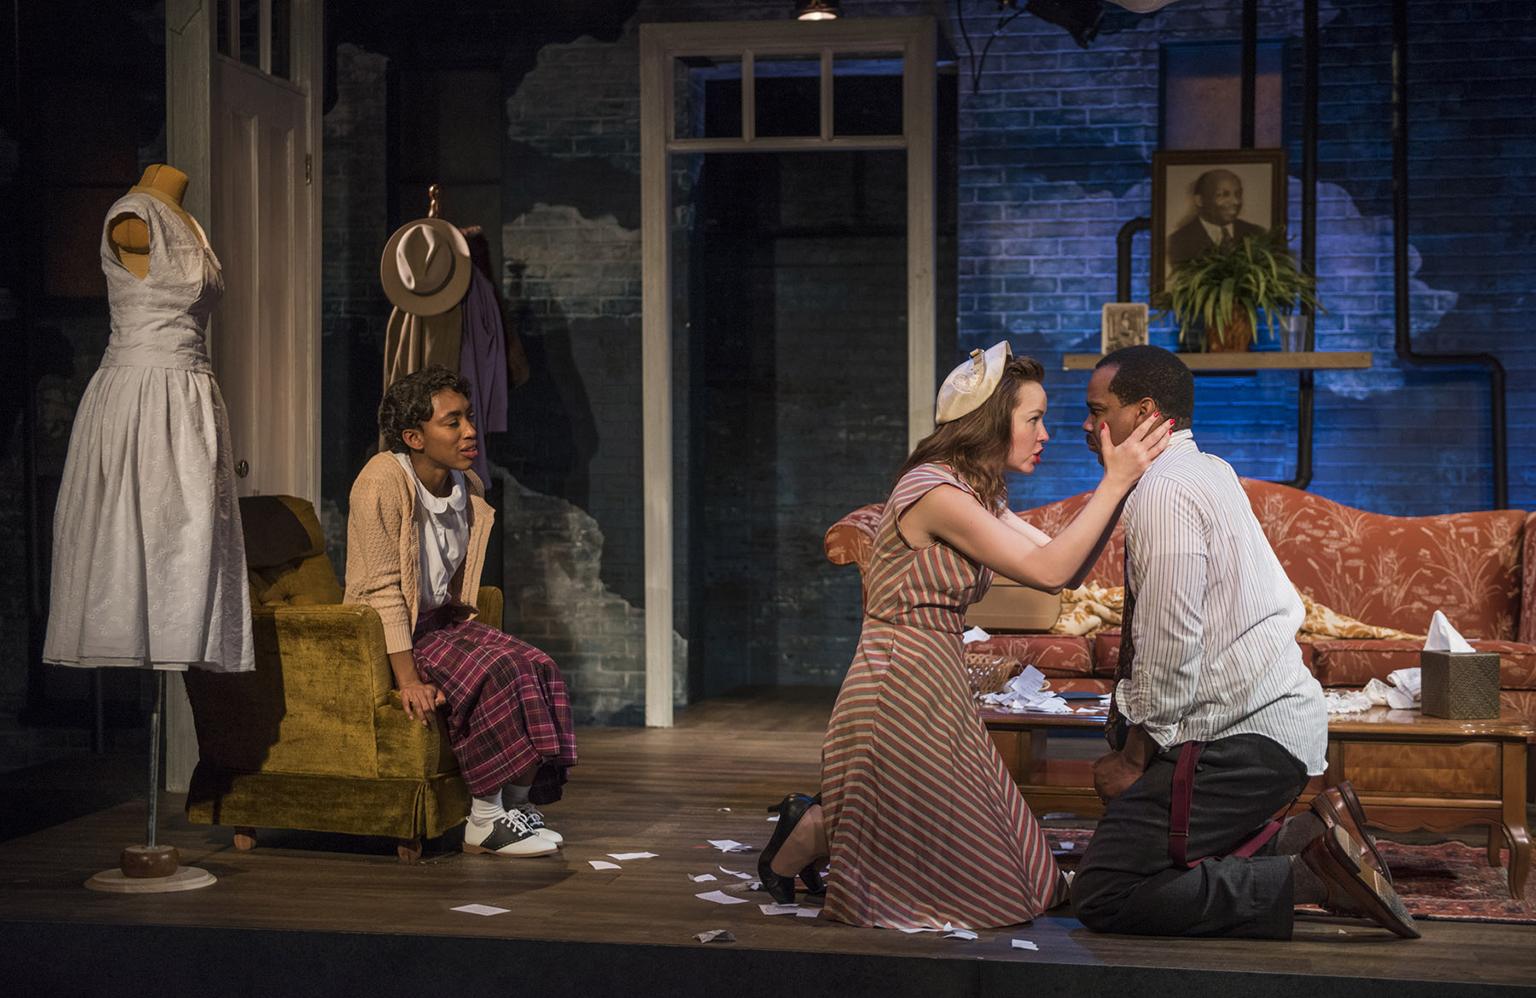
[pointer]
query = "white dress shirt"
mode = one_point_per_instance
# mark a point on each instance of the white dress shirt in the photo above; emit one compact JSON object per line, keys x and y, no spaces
{"x":442,"y":534}
{"x":1215,"y":624}
{"x":1218,"y":233}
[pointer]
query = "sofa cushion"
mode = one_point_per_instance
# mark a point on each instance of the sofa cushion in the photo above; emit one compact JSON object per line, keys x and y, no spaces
{"x":1052,"y":654}
{"x":1351,"y":664}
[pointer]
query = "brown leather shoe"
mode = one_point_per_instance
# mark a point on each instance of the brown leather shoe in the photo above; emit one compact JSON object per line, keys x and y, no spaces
{"x":1354,"y":888}
{"x":1339,"y":806}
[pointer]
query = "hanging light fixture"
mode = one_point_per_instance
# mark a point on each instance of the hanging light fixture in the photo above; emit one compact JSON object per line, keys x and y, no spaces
{"x":816,"y":10}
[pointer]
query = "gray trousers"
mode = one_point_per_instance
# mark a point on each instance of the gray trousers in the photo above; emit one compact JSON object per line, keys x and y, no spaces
{"x":1128,"y":884}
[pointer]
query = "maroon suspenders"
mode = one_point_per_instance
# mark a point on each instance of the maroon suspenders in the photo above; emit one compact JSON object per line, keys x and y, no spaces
{"x":1178,"y":814}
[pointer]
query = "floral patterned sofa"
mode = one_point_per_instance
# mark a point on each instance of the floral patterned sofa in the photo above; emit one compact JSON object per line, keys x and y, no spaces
{"x":1480,"y":568}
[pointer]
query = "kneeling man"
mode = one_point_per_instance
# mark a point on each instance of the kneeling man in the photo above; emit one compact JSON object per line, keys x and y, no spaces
{"x":1216,"y":724}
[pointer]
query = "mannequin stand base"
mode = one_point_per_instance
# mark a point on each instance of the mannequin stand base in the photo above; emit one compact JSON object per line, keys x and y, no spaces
{"x":186,"y":878}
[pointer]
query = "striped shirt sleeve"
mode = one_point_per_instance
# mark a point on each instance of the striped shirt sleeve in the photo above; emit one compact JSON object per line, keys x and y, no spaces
{"x":1168,"y":550}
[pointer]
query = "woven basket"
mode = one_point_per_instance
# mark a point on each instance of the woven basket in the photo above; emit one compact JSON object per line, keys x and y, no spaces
{"x":989,"y":673}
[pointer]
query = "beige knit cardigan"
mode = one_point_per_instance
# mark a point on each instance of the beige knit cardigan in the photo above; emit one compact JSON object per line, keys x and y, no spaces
{"x":384,"y":550}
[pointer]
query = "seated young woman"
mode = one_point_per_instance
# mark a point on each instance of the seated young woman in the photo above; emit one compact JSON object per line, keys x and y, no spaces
{"x":920,"y":819}
{"x":416,"y":539}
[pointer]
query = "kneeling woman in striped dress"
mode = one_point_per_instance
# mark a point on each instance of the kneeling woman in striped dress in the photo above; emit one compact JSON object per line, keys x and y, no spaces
{"x":416,"y":539}
{"x":919,"y":816}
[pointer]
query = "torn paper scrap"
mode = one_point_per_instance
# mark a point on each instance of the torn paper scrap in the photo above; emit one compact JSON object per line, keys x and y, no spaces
{"x":481,"y":909}
{"x":702,"y":877}
{"x":973,"y":635}
{"x":727,"y":811}
{"x":716,"y":936}
{"x":911,"y":930}
{"x":729,"y":845}
{"x":807,"y":912}
{"x":603,"y":864}
{"x":720,"y":897}
{"x":1025,"y":944}
{"x":773,"y":819}
{"x":960,"y":934}
{"x":622,"y":856}
{"x":734,"y":873}
{"x":779,"y":909}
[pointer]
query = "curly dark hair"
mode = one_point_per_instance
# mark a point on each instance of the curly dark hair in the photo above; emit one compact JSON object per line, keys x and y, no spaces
{"x":1143,"y":372}
{"x":408,"y":402}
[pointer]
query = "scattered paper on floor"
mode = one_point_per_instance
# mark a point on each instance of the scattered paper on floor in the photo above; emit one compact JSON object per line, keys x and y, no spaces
{"x":716,"y":936}
{"x":702,"y":877}
{"x":734,"y":873}
{"x":622,"y":856}
{"x":1025,"y":944}
{"x":807,"y":912}
{"x":481,"y":909}
{"x":603,"y":864}
{"x":729,"y":845}
{"x":773,"y":819}
{"x":910,"y":931}
{"x":779,"y":909}
{"x":720,"y":897}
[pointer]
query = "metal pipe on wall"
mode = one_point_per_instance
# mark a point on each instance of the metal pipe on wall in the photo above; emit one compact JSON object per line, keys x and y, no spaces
{"x":1123,"y":255}
{"x":1400,"y":277}
{"x":1250,"y":69}
{"x":1306,"y":381}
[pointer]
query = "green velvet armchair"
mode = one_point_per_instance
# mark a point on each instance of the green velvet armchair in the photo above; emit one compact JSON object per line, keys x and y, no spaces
{"x":315,"y":738}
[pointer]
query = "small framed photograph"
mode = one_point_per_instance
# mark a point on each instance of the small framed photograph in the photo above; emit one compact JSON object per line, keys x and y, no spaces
{"x":1122,"y":324}
{"x":1212,"y":197}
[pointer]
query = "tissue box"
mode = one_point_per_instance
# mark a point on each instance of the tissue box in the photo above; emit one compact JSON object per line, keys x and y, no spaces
{"x":1008,"y":606}
{"x":1461,"y":685}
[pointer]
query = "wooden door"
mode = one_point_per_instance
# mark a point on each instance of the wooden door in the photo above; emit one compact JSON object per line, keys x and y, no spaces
{"x":243,"y":82}
{"x":265,"y":345}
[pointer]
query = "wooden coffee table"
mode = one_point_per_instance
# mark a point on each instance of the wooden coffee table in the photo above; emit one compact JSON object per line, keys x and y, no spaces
{"x":1410,"y":771}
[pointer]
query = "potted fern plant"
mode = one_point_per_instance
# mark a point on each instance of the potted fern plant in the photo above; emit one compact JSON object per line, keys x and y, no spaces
{"x":1216,"y":297}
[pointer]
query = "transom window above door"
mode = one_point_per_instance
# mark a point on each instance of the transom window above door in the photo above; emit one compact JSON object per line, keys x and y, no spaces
{"x":258,"y":33}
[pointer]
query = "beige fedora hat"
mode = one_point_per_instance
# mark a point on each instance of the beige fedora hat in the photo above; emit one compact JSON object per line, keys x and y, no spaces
{"x":972,"y":383}
{"x":425,"y":267}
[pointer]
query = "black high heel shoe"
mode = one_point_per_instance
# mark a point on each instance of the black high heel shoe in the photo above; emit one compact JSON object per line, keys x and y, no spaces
{"x":790,"y":810}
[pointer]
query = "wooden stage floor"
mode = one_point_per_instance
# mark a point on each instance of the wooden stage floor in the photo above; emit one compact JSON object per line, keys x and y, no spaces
{"x":308,"y":914}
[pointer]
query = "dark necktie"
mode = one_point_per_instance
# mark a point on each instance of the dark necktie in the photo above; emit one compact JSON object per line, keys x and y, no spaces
{"x":1226,"y":236}
{"x":1114,"y":723}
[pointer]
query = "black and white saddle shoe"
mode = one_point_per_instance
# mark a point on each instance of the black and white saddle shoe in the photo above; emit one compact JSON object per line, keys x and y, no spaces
{"x":535,"y":819}
{"x":508,"y":835}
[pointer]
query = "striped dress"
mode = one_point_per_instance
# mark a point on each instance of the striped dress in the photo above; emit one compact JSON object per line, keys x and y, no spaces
{"x":924,"y":823}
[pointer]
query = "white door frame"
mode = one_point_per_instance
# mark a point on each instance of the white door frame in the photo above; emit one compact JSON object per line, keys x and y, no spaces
{"x":915,"y":38}
{"x":192,"y":100}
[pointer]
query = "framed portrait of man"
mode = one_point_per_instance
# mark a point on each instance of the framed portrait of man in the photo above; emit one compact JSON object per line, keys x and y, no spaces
{"x":1122,"y":324}
{"x":1202,"y":198}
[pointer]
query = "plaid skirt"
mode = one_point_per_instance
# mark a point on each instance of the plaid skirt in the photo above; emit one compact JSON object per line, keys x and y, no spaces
{"x":507,"y":708}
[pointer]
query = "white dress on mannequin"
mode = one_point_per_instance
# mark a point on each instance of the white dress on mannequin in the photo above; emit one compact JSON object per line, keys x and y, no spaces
{"x":148,"y":557}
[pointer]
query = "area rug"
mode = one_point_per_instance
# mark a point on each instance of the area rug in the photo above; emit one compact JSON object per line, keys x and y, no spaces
{"x":1446,"y":881}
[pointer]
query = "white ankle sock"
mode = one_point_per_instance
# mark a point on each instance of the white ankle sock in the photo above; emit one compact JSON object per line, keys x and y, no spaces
{"x":484,"y":810}
{"x":514,"y":794}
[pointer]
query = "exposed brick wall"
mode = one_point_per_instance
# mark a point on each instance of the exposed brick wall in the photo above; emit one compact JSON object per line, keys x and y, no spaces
{"x":353,"y":309}
{"x":1055,"y":155}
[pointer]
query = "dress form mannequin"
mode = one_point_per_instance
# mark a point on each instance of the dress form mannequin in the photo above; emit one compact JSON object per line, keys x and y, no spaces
{"x":153,"y":867}
{"x":129,"y":235}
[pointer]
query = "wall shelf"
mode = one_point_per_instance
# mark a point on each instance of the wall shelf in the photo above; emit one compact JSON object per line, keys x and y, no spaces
{"x":1254,"y":360}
